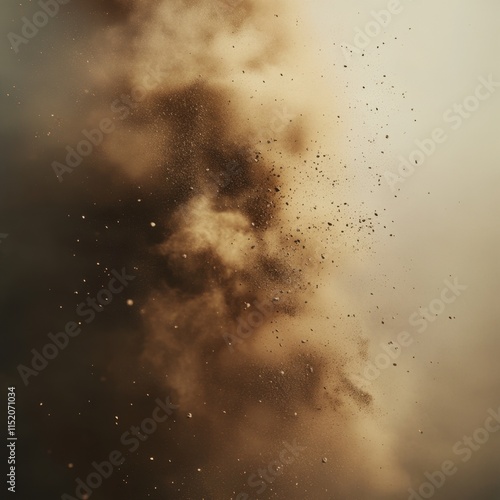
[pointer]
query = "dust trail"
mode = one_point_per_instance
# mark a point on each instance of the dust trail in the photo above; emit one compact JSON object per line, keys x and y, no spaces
{"x":239,"y":236}
{"x":216,"y":189}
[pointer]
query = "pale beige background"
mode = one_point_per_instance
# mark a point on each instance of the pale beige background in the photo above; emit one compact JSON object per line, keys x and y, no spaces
{"x":445,"y":219}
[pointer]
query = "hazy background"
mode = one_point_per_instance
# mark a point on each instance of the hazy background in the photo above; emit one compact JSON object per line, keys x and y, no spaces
{"x":444,"y":218}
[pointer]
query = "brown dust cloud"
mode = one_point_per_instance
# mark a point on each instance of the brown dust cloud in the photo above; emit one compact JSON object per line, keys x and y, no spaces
{"x":213,"y":182}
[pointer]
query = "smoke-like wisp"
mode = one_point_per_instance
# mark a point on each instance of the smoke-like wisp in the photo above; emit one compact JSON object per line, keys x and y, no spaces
{"x":211,"y":187}
{"x":235,"y":325}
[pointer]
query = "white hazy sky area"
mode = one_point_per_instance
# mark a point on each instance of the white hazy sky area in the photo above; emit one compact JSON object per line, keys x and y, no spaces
{"x":444,"y":218}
